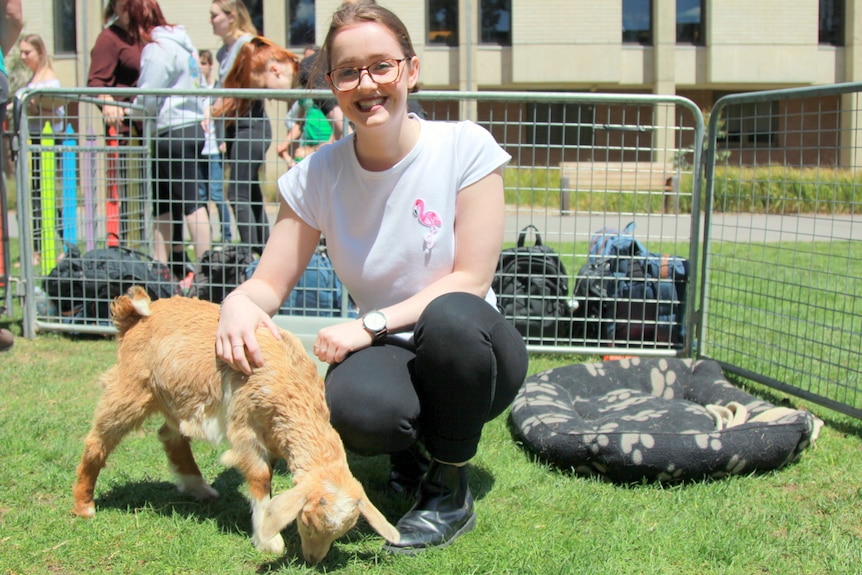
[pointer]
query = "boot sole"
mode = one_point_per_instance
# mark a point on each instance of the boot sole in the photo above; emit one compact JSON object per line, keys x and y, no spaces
{"x":467,"y":527}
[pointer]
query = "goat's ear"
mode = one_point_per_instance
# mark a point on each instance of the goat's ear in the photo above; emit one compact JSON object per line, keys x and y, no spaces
{"x":377,"y":521}
{"x":282,"y":510}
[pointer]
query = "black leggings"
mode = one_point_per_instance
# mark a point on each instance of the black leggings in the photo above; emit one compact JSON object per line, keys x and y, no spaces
{"x":248,"y":139}
{"x":467,"y":366}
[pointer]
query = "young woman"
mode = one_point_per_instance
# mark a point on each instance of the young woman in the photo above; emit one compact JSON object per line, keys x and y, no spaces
{"x":247,"y":131}
{"x":413,"y":214}
{"x":40,"y":111}
{"x":170,"y":60}
{"x":115,"y":62}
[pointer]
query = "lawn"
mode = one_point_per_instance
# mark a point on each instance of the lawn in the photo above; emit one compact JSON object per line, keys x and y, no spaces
{"x":805,"y":518}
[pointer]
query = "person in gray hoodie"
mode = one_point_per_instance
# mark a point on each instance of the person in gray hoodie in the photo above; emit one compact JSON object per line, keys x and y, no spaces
{"x":170,"y":60}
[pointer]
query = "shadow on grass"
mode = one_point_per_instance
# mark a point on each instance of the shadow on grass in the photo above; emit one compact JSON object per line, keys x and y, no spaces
{"x":231,"y":509}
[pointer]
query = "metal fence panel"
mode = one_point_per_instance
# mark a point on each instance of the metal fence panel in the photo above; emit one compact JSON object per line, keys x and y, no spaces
{"x":580,"y":163}
{"x":782,"y":250}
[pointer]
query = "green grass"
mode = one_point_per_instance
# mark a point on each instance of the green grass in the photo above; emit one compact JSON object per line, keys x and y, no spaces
{"x":803,"y":519}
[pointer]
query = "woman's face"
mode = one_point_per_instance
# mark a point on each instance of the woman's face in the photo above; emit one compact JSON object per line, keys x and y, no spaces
{"x":29,"y":55}
{"x":221,"y":21}
{"x":278,"y":76}
{"x":361,"y":45}
{"x":122,"y":14}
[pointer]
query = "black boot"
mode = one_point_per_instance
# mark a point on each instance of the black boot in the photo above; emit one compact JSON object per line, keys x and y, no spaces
{"x":408,"y":469}
{"x":443,"y":512}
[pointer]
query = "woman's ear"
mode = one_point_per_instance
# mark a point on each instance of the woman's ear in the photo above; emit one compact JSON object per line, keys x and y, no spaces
{"x":412,"y":72}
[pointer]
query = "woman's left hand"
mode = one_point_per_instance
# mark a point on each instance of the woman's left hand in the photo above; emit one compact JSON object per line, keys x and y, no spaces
{"x":335,"y":342}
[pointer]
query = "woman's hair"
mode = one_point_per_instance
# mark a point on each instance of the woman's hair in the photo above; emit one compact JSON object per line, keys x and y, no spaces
{"x":251,"y":62}
{"x":144,"y":15}
{"x":357,"y":12}
{"x":39,"y":45}
{"x":242,"y":19}
{"x":205,"y":56}
{"x":110,"y":12}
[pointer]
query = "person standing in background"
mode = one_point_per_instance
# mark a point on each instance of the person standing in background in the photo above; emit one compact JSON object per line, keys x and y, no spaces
{"x":247,"y":130}
{"x":211,"y":185}
{"x":11,"y":24}
{"x":115,"y":62}
{"x":170,"y":60}
{"x":35,"y":56}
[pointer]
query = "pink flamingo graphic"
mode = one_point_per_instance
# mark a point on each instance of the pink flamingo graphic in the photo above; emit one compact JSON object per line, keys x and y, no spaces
{"x":430,"y":220}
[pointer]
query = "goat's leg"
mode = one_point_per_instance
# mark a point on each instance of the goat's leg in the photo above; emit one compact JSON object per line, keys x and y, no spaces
{"x":117,"y":413}
{"x":252,"y":460}
{"x":179,"y":451}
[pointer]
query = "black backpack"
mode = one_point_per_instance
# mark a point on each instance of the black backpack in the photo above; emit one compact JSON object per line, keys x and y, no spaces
{"x":219,"y":271}
{"x":84,"y":286}
{"x":532,"y":290}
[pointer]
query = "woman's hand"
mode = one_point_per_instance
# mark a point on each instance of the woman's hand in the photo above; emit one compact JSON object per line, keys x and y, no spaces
{"x":113,"y":115}
{"x":236,"y":342}
{"x":335,"y":342}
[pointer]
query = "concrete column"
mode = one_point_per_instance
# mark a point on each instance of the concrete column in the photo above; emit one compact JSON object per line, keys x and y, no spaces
{"x":851,"y":116}
{"x":468,"y":31}
{"x":664,"y":71}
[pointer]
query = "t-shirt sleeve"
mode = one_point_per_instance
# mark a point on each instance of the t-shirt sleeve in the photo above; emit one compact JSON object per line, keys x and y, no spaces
{"x":479,"y":153}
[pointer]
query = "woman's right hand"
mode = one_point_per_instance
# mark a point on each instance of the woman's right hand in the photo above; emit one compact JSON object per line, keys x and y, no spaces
{"x":113,"y":115}
{"x":236,"y":342}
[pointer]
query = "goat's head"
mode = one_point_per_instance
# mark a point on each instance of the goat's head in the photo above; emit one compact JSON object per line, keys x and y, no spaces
{"x":326,"y":506}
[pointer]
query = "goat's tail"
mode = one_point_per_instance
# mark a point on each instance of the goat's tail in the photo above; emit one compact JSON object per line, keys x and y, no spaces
{"x":128,"y":309}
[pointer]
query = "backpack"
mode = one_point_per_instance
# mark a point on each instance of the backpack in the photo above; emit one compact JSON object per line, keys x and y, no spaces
{"x":318,"y":292}
{"x":84,"y":286}
{"x":532,"y":290}
{"x":628,"y":294}
{"x":220,"y":271}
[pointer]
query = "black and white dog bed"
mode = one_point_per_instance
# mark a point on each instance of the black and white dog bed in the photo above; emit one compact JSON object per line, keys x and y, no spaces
{"x":655,"y":419}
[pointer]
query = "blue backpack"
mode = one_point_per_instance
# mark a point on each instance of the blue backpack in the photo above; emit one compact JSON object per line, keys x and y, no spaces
{"x":628,"y":295}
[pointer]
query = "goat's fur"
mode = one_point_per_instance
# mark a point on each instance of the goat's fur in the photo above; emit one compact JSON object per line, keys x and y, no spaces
{"x":167,"y":364}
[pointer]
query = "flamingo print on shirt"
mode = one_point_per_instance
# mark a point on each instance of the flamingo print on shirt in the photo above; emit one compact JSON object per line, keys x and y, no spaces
{"x":430,"y":220}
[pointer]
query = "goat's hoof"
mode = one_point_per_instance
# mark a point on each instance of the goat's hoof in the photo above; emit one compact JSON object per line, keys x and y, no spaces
{"x":85,"y":510}
{"x":199,"y":490}
{"x":273,"y":545}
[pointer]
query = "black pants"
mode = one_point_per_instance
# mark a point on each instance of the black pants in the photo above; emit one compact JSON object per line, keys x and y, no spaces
{"x":467,"y":364}
{"x":248,"y":138}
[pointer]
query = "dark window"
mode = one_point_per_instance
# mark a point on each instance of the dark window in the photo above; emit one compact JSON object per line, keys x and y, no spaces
{"x":750,"y":123}
{"x":637,"y":22}
{"x":559,"y":125}
{"x":65,"y":27}
{"x":496,"y":22}
{"x":443,"y":22}
{"x":301,"y":17}
{"x":832,"y":22}
{"x":255,"y":10}
{"x":689,"y":22}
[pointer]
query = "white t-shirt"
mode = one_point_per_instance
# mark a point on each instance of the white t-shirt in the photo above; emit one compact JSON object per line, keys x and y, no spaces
{"x":390,"y":234}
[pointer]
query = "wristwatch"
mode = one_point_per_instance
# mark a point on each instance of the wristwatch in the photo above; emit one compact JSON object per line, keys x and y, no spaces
{"x":375,"y":322}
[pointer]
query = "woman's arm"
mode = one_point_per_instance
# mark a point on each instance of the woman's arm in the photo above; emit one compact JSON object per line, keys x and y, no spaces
{"x":251,"y":305}
{"x":479,"y":225}
{"x":12,"y":24}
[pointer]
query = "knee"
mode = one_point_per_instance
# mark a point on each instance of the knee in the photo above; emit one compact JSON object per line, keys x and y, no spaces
{"x":387,"y":427}
{"x":453,"y":317}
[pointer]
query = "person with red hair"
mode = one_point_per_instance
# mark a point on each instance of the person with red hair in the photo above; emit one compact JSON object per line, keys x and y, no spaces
{"x":170,"y":60}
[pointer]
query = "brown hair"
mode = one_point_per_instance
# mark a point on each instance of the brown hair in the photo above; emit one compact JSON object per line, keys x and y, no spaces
{"x":144,"y":15}
{"x":356,"y":13}
{"x":251,"y":62}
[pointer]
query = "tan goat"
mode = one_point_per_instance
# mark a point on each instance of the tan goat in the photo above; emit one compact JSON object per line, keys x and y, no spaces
{"x":167,"y":364}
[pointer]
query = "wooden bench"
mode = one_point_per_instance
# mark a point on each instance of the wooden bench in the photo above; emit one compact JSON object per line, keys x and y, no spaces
{"x":617,"y":177}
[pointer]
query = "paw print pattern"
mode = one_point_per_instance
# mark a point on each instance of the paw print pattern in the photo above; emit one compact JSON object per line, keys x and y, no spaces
{"x":629,"y":442}
{"x":708,"y":441}
{"x":662,"y":380}
{"x":596,"y":369}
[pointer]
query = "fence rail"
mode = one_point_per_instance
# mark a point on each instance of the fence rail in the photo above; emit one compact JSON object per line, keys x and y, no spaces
{"x":581,"y":163}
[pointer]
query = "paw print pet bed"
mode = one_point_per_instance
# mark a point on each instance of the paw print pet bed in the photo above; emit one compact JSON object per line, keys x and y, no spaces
{"x":661,"y":419}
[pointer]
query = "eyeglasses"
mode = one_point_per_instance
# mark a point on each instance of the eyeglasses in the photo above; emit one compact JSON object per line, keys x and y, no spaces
{"x":382,"y":72}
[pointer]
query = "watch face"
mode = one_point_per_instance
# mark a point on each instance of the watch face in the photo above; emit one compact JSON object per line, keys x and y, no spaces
{"x":374,"y":321}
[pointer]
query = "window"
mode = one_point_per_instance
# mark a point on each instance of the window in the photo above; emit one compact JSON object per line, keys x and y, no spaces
{"x":65,"y":27}
{"x":301,"y":17}
{"x":443,"y":22}
{"x":689,"y":22}
{"x":832,"y":22}
{"x":637,"y":22}
{"x":750,"y":123}
{"x":255,"y":10}
{"x":496,"y":22}
{"x":559,"y":125}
